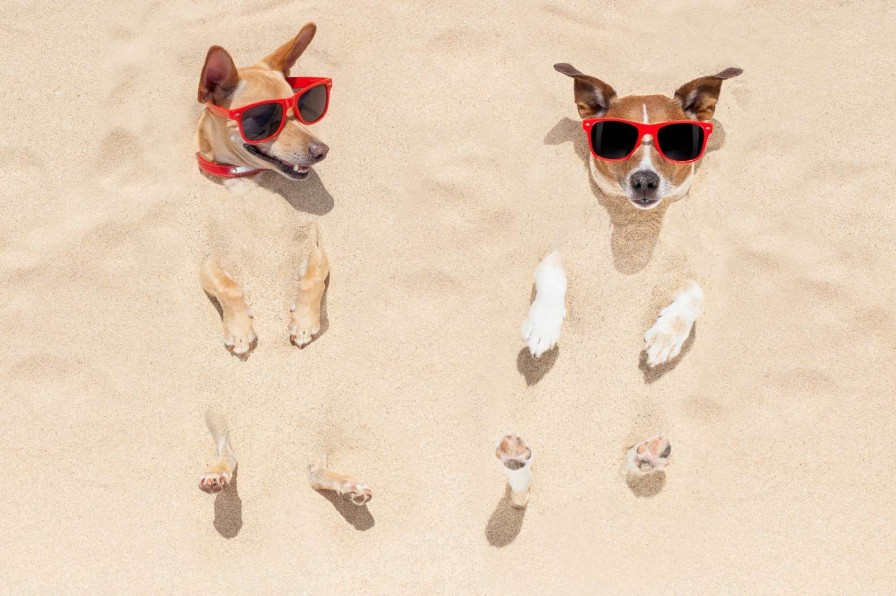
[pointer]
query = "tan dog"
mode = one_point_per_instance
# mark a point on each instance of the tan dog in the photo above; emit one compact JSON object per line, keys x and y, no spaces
{"x":291,"y":154}
{"x":294,"y":150}
{"x":643,"y":181}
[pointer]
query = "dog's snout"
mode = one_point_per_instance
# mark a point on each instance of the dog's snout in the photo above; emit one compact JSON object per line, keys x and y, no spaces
{"x":318,"y":150}
{"x":645,"y":181}
{"x":645,"y":186}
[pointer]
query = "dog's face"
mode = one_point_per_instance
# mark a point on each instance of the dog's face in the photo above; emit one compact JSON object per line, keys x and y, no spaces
{"x":295,"y":149}
{"x":645,"y":178}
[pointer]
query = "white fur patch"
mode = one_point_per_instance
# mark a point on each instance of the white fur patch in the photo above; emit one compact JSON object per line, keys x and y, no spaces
{"x":664,"y":340}
{"x":541,"y":329}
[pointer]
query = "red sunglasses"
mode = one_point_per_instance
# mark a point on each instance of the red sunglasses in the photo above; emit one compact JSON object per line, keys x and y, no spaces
{"x":263,"y":120}
{"x":613,"y":139}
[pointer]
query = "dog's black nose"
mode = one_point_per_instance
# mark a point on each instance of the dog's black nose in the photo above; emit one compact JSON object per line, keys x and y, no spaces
{"x":645,"y":181}
{"x":318,"y":150}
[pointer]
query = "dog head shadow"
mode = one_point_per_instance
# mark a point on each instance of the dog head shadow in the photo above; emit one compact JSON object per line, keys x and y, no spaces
{"x":358,"y":516}
{"x":309,"y":195}
{"x":229,"y":509}
{"x":505,"y":523}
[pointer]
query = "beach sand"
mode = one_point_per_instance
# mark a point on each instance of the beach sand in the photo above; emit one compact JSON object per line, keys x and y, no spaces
{"x":457,"y":160}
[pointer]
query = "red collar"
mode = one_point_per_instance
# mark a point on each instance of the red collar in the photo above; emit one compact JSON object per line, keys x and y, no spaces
{"x":225,"y":170}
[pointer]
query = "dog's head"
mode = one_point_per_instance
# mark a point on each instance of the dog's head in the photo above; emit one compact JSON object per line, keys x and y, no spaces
{"x":645,"y":178}
{"x":295,"y":149}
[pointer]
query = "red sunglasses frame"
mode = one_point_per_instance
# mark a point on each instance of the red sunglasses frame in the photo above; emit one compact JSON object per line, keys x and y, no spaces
{"x":300,"y":85}
{"x":647,"y":129}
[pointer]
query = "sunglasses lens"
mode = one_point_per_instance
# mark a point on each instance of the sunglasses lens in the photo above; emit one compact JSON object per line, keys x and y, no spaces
{"x":681,"y":142}
{"x":312,"y":104}
{"x":262,"y":121}
{"x":613,"y":140}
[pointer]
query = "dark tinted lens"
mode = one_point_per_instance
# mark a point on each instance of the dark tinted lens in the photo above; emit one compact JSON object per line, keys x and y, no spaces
{"x":613,"y":140}
{"x":681,"y":142}
{"x":312,"y":103}
{"x":262,"y":121}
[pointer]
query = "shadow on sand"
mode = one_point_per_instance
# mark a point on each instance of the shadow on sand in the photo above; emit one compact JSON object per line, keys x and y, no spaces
{"x":505,"y":523}
{"x":229,"y":509}
{"x":358,"y":516}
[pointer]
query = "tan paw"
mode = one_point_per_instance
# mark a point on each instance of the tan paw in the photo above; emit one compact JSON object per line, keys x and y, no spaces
{"x":214,"y":481}
{"x":357,"y":493}
{"x":513,"y":451}
{"x":304,"y":325}
{"x":239,"y":336}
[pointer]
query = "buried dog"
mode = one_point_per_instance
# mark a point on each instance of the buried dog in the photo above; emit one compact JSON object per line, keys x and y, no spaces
{"x":644,"y":152}
{"x":255,"y":119}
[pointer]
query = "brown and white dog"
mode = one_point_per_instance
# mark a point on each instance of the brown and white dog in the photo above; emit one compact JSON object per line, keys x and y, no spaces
{"x":291,"y":154}
{"x":643,"y":181}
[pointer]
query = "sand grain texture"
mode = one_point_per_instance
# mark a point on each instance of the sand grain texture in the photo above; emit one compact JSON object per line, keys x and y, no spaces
{"x":457,"y":160}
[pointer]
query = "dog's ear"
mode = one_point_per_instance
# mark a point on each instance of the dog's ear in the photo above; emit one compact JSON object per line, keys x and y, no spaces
{"x":698,"y":98}
{"x":593,"y":96}
{"x":286,"y":55}
{"x":219,"y":76}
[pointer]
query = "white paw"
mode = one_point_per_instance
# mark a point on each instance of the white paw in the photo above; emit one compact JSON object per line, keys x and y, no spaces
{"x":664,"y":340}
{"x":541,"y":329}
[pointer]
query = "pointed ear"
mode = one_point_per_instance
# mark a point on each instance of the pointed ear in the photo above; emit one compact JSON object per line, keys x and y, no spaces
{"x":286,"y":55}
{"x":698,"y":98}
{"x":219,"y":76}
{"x":593,"y":96}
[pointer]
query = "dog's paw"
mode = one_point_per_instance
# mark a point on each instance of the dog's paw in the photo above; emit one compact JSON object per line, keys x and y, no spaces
{"x":664,"y":340}
{"x":239,"y":336}
{"x":651,"y":455}
{"x":513,"y":452}
{"x":357,"y":493}
{"x":304,"y":325}
{"x":215,"y":480}
{"x":541,"y":329}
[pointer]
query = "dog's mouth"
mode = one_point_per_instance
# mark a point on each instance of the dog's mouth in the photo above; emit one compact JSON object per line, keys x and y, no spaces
{"x":644,"y":203}
{"x":290,"y":170}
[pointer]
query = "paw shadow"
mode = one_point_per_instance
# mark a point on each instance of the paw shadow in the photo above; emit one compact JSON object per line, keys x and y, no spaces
{"x":358,"y":516}
{"x":229,"y":509}
{"x":646,"y":486}
{"x":217,"y":305}
{"x":651,"y":375}
{"x":635,"y":233}
{"x":534,"y":369}
{"x":308,"y":196}
{"x":505,"y":523}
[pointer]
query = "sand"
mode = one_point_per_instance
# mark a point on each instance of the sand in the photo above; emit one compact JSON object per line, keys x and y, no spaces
{"x":456,"y":161}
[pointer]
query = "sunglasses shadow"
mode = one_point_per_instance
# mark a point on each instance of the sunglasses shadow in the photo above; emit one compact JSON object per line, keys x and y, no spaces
{"x":635,"y":232}
{"x":307,"y":196}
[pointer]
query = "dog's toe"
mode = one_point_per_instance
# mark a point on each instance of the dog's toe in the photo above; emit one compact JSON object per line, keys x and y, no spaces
{"x":541,"y":329}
